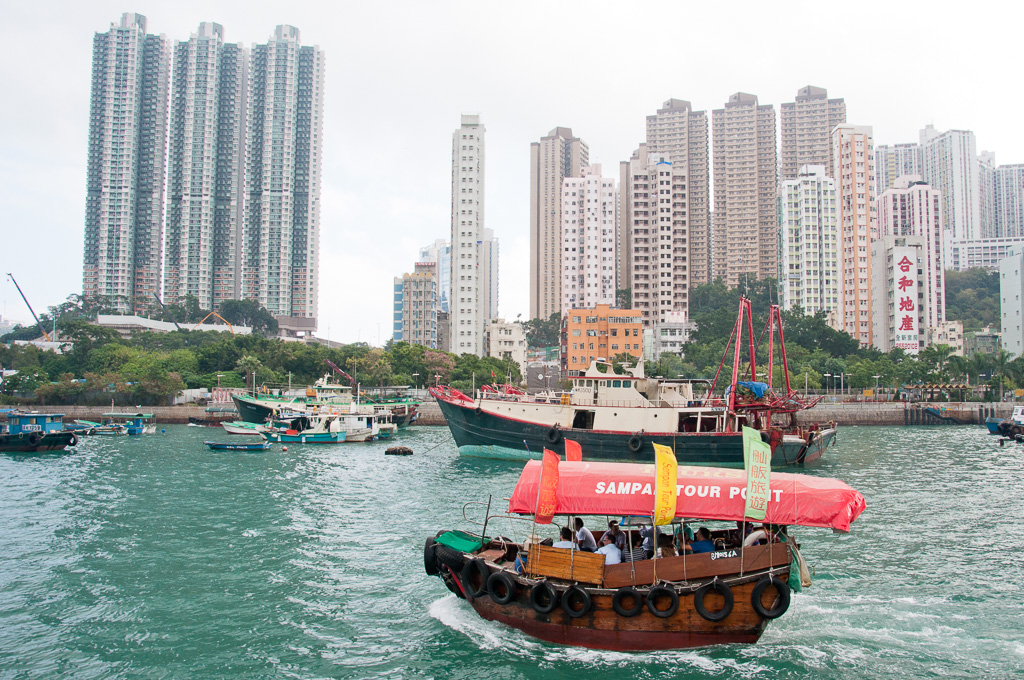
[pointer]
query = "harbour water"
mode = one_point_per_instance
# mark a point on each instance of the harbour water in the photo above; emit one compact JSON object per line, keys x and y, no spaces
{"x":153,"y":557}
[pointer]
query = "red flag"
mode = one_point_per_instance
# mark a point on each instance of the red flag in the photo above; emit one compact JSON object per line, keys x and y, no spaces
{"x":573,"y":451}
{"x":548,"y":486}
{"x":492,"y":375}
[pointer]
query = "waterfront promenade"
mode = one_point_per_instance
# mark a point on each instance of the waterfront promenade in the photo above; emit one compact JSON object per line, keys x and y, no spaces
{"x":844,"y":413}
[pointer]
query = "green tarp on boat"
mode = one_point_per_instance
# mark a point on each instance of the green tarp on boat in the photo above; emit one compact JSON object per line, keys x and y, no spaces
{"x":459,"y":540}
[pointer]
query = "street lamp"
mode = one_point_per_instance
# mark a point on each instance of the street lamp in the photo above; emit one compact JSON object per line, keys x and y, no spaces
{"x":826,"y":376}
{"x":219,"y":376}
{"x":876,"y":377}
{"x":415,"y":380}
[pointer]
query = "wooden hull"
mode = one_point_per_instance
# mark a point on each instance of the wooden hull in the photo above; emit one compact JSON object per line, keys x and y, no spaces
{"x":602,"y":628}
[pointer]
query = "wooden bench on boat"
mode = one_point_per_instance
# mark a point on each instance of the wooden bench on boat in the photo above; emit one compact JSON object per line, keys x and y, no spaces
{"x":562,"y":563}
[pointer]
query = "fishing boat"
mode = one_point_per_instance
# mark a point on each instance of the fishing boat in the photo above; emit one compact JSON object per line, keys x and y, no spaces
{"x":90,"y":427}
{"x":1008,"y":427}
{"x":213,"y":416}
{"x":574,"y":598}
{"x":245,"y":446}
{"x":32,"y":432}
{"x":621,"y":416}
{"x":302,"y":428}
{"x":242,"y":427}
{"x":134,"y":423}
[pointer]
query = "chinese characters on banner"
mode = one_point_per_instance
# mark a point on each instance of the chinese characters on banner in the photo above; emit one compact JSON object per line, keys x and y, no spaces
{"x":548,"y":487}
{"x":757,"y":461}
{"x":665,"y":479}
{"x":905,"y":299}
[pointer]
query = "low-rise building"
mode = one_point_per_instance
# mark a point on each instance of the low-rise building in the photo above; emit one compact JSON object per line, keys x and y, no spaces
{"x":601,"y":332}
{"x":506,"y":341}
{"x":948,"y":333}
{"x":985,"y":341}
{"x":127,"y":325}
{"x":668,"y":336}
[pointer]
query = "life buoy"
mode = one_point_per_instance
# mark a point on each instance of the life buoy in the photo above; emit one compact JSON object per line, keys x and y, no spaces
{"x":783,"y":604}
{"x":754,"y":537}
{"x":574,"y":595}
{"x":720,"y":588}
{"x":553,"y":435}
{"x":543,"y":598}
{"x":635,"y":443}
{"x":429,"y":561}
{"x":501,"y":587}
{"x":623,"y":593}
{"x":473,"y":568}
{"x":34,"y":438}
{"x":662,"y":591}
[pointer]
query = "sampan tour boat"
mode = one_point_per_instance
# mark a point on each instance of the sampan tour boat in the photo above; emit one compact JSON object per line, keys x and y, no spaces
{"x":572,"y":597}
{"x":621,"y":417}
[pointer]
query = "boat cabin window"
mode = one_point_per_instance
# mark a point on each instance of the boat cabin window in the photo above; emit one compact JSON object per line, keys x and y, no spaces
{"x":693,"y":423}
{"x":583,"y":420}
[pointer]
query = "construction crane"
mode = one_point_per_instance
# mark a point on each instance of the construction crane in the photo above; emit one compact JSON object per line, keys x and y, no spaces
{"x":165,"y":310}
{"x":38,"y":322}
{"x":340,"y":372}
{"x":230,"y":327}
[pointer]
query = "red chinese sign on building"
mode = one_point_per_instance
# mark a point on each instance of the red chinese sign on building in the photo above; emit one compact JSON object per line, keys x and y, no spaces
{"x":905,"y":288}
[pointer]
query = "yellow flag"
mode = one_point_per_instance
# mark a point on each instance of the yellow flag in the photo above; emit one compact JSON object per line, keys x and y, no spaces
{"x":665,"y":478}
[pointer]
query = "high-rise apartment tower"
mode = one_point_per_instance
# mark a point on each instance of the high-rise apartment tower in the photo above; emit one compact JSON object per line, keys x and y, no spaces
{"x":470,"y":298}
{"x":588,"y":240}
{"x":206,"y":169}
{"x":125,"y":168}
{"x":809,"y":242}
{"x":892,"y":162}
{"x":807,"y":125}
{"x":743,"y":143}
{"x":281,"y":233}
{"x":552,"y":159}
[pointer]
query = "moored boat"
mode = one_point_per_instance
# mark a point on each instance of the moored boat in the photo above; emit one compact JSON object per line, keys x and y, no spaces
{"x":232,"y":446}
{"x":33,"y":432}
{"x":1008,"y":427}
{"x":90,"y":427}
{"x":242,"y":427}
{"x":134,"y":423}
{"x":620,"y":417}
{"x":574,"y":598}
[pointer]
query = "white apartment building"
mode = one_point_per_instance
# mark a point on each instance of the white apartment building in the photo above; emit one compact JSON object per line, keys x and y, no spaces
{"x":912,"y":208}
{"x":206,"y":169}
{"x":807,"y":125}
{"x":124,"y":205}
{"x":680,"y":134}
{"x":469,"y":295}
{"x":895,"y":161}
{"x":745,"y":166}
{"x":853,"y":151}
{"x":668,"y":336}
{"x":1009,"y":201}
{"x":950,"y":164}
{"x":897,"y":286}
{"x":1011,"y":301}
{"x":284,"y":157}
{"x":588,"y":240}
{"x":987,"y":218}
{"x":982,"y":252}
{"x":809,"y":245}
{"x":659,"y":239}
{"x":489,"y":259}
{"x":507,"y":341}
{"x":552,"y":159}
{"x":948,"y":333}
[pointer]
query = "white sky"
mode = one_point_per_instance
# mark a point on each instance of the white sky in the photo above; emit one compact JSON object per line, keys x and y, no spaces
{"x":399,"y":74}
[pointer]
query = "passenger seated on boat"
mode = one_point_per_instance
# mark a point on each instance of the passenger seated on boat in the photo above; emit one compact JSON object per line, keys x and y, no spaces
{"x":743,"y":529}
{"x":666,"y":546}
{"x":618,"y":536}
{"x":611,"y":552}
{"x":566,"y":542}
{"x":636,"y":553}
{"x":648,"y":545}
{"x":584,"y":538}
{"x":703,"y":542}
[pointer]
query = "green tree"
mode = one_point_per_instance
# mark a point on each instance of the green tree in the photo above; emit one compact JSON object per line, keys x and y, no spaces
{"x":543,"y":332}
{"x":248,"y":365}
{"x":249,"y":313}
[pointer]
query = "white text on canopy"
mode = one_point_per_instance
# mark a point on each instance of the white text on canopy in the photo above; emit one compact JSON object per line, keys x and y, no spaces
{"x":688,"y":490}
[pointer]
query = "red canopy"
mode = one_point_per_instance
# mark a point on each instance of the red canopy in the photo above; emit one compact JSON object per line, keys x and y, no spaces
{"x":588,"y":488}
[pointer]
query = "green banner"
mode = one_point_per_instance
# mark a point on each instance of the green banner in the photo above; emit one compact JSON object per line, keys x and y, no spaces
{"x":757,"y":462}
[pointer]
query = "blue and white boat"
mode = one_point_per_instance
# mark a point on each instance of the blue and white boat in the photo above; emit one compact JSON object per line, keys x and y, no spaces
{"x":1008,"y":427}
{"x":31,"y":432}
{"x":245,"y":446}
{"x":135,"y":423}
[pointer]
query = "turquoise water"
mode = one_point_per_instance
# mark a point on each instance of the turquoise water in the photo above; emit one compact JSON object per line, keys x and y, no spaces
{"x":152,"y":557}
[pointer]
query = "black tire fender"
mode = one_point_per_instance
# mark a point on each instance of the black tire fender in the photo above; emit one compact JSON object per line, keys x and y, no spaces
{"x":473,"y":568}
{"x":623,"y":593}
{"x":635,"y":443}
{"x":450,"y":557}
{"x":575,"y":594}
{"x":538,"y":593}
{"x":661,"y":591}
{"x":553,"y":435}
{"x":501,"y":587}
{"x":34,"y":438}
{"x":779,"y":609}
{"x":429,"y":558}
{"x":720,"y":588}
{"x":73,"y":441}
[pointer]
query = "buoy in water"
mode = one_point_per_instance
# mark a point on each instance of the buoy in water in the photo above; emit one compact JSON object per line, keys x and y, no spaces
{"x":284,"y":448}
{"x":398,"y":451}
{"x":162,"y":430}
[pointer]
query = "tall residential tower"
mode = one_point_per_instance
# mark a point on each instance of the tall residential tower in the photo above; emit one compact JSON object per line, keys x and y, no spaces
{"x":281,"y":234}
{"x":206,"y":169}
{"x":470,"y":301}
{"x":807,"y":125}
{"x":124,"y":206}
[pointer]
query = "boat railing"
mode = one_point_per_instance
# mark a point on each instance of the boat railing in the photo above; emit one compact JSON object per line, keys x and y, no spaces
{"x":716,"y":405}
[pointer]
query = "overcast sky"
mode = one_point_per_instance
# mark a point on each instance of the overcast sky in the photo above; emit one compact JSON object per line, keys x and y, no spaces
{"x":399,"y":74}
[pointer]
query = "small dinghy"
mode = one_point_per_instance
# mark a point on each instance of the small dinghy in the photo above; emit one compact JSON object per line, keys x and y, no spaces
{"x":232,"y":446}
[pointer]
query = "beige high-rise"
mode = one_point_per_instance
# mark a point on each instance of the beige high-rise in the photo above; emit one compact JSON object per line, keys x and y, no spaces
{"x":807,"y":126}
{"x":681,"y":134}
{"x":552,"y":159}
{"x":853,"y":170}
{"x":746,"y":232}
